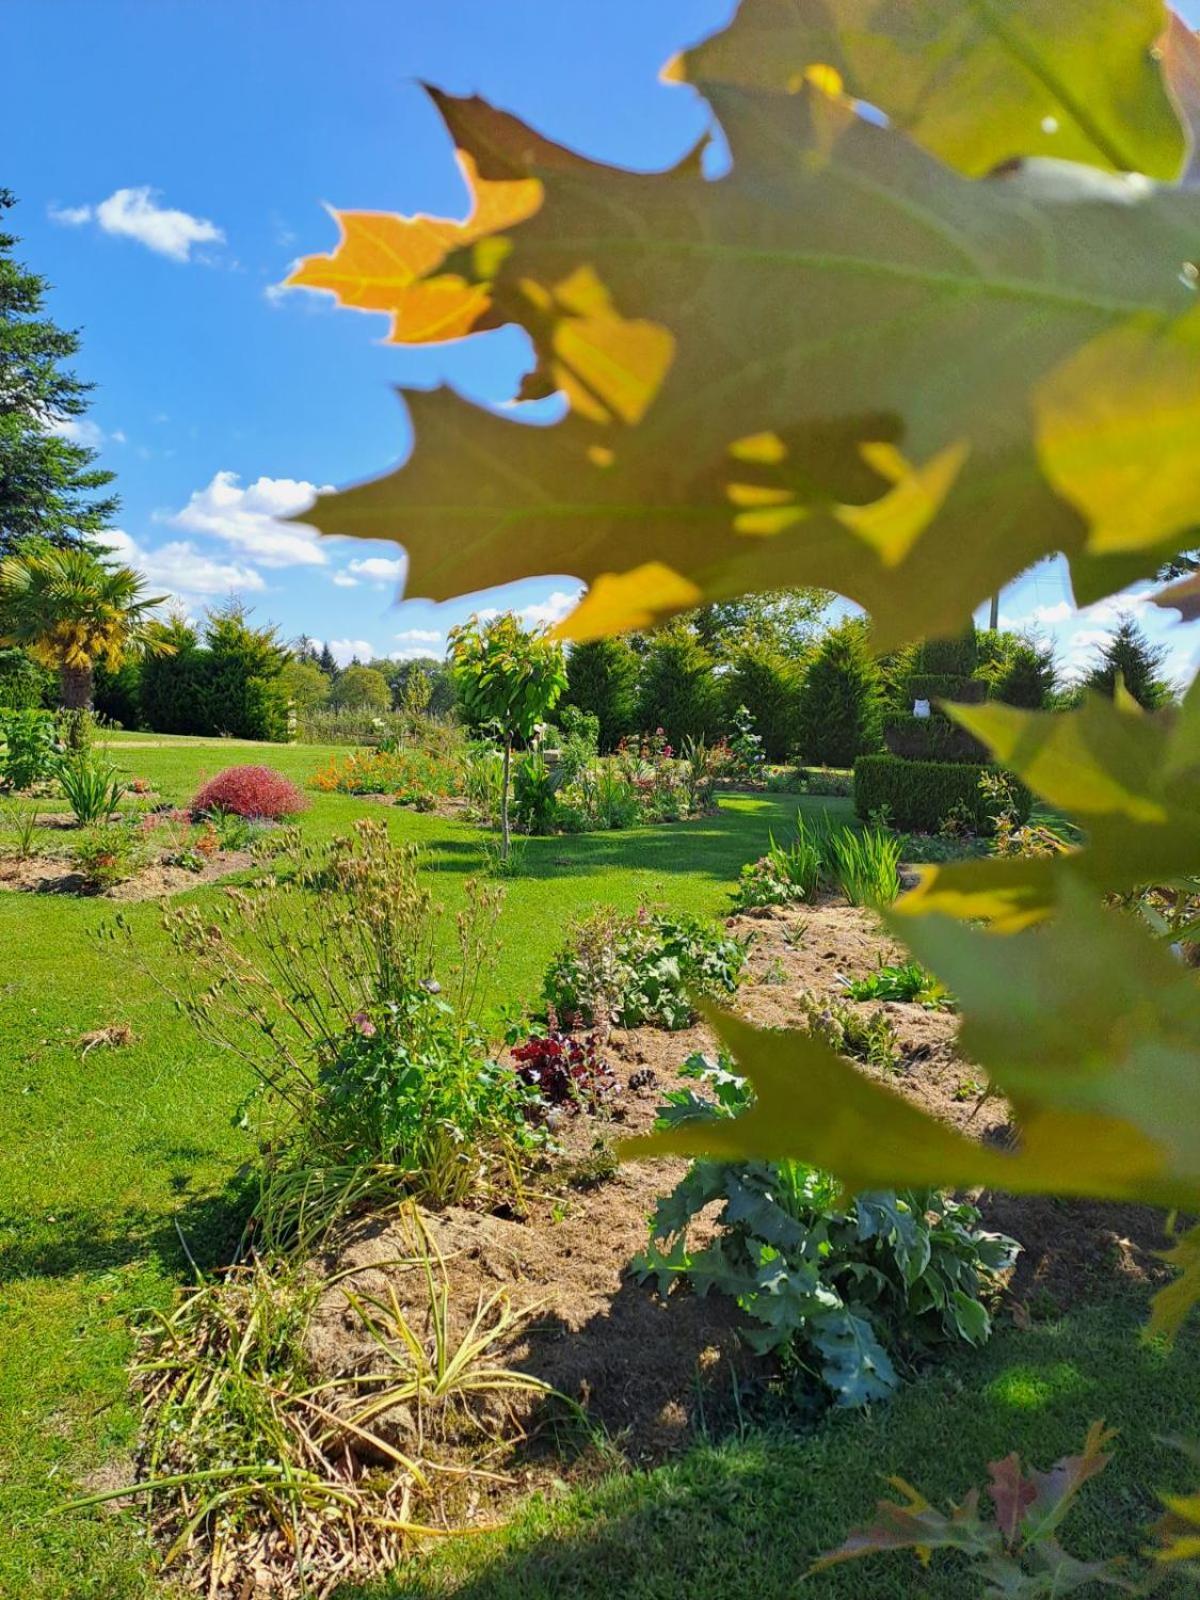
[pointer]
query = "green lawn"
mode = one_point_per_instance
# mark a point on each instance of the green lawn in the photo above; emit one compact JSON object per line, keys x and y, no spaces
{"x":108,"y":1162}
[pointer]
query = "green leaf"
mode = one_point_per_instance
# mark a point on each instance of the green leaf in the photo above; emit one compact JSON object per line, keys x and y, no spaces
{"x":1129,"y":778}
{"x":1074,"y":79}
{"x":867,"y":353}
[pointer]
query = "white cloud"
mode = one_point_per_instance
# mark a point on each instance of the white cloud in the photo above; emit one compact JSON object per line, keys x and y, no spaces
{"x":343,"y":580}
{"x":417,"y":653}
{"x":247,"y":518}
{"x":136,"y":214}
{"x":553,"y":609}
{"x":82,"y":430}
{"x":70,"y":216}
{"x":380,"y":568}
{"x":420,"y":636}
{"x":345,"y":650}
{"x":188,"y":573}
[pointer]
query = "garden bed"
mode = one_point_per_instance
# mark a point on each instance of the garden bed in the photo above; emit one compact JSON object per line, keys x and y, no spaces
{"x":51,"y":874}
{"x":650,"y":1370}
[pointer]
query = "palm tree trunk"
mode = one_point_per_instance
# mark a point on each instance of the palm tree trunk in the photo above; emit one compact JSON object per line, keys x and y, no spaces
{"x":75,"y":688}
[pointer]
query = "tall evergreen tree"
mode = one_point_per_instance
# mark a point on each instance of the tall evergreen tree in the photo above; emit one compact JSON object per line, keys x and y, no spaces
{"x":50,"y":487}
{"x":841,"y":699}
{"x":327,"y":661}
{"x":602,"y":680}
{"x":677,"y":689}
{"x":1129,"y":654}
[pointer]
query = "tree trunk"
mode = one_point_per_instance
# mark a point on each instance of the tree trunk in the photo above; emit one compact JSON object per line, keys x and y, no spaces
{"x":505,"y":837}
{"x":994,"y":613}
{"x":75,"y":686}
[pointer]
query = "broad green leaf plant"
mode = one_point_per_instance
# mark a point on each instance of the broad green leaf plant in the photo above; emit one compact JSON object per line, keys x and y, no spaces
{"x":901,"y":357}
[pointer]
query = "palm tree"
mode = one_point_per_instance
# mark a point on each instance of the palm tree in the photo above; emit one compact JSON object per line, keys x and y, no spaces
{"x":72,"y":611}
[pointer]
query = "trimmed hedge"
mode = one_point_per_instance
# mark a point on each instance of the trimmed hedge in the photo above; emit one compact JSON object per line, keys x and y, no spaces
{"x":957,"y":656}
{"x":920,"y":794}
{"x":932,"y":738}
{"x":947,"y":686}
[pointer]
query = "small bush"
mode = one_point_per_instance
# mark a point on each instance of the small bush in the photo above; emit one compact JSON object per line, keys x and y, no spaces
{"x":640,"y":970}
{"x":323,"y":983}
{"x":846,"y":1293}
{"x":564,"y":1071}
{"x":27,"y":747}
{"x":871,"y":1038}
{"x":909,"y":982}
{"x":258,"y":793}
{"x":535,"y":787}
{"x":414,"y":775}
{"x":109,"y":854}
{"x":919,"y":795}
{"x":785,"y":875}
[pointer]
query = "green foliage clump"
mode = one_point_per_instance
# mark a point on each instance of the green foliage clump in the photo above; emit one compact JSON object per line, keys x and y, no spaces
{"x":867,"y":1037}
{"x":786,"y":874}
{"x":841,"y":705}
{"x":535,"y":790}
{"x":920,"y":795}
{"x":932,"y":738}
{"x":846,"y":1294}
{"x":50,"y":486}
{"x":358,"y":688}
{"x":27,"y":747}
{"x":602,"y":680}
{"x":508,"y":681}
{"x":677,"y":692}
{"x":24,"y":685}
{"x":640,"y":970}
{"x":305,"y":685}
{"x":907,"y":981}
{"x":109,"y":854}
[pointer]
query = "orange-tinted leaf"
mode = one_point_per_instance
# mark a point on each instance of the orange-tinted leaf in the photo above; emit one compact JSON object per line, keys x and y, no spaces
{"x":390,"y":263}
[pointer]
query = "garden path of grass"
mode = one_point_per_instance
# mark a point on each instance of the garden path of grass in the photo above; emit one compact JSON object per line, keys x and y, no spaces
{"x":108,"y":1162}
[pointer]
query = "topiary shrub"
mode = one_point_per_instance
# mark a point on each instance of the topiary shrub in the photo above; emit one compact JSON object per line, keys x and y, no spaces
{"x":920,"y":795}
{"x":933,"y":738}
{"x":958,"y":657}
{"x":946,"y":686}
{"x":256,"y":792}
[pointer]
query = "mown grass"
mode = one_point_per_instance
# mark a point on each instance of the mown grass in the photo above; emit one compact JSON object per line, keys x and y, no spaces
{"x":111,"y":1162}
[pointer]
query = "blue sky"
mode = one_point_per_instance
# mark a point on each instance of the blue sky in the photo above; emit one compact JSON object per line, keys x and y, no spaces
{"x":183,"y":163}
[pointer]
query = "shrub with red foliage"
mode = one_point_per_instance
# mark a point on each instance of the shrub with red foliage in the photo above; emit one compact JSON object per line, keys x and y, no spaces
{"x":566,"y":1071}
{"x":255,"y":792}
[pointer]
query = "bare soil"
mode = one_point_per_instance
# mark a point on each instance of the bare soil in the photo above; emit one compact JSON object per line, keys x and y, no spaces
{"x":51,"y":874}
{"x":648,"y":1368}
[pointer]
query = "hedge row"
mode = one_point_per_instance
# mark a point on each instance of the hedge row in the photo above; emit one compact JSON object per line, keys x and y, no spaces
{"x":919,"y":795}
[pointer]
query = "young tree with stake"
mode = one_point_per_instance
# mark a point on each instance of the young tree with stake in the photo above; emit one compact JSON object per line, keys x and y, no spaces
{"x":507,"y":679}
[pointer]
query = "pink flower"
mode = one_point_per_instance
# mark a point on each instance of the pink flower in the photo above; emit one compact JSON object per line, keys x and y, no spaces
{"x":362,"y":1024}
